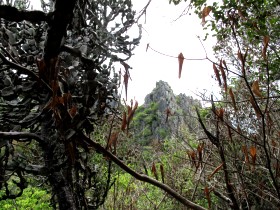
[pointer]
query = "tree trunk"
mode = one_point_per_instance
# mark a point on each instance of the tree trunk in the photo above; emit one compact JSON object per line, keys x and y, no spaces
{"x":54,"y":150}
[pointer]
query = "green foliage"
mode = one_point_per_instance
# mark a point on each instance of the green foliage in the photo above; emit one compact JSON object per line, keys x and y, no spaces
{"x":128,"y":192}
{"x":204,"y":113}
{"x":145,"y":114}
{"x":33,"y":198}
{"x":163,"y":133}
{"x":143,"y":120}
{"x":146,"y":132}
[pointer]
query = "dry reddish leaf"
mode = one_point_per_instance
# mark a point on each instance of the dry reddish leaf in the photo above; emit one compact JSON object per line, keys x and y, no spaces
{"x":240,"y":56}
{"x":232,"y":99}
{"x":225,"y":64}
{"x":216,"y":71}
{"x":113,"y":141}
{"x":265,"y":40}
{"x":154,"y":171}
{"x":162,"y":172}
{"x":181,"y":61}
{"x":60,"y":100}
{"x":215,"y":171}
{"x":207,"y":194}
{"x":254,"y":105}
{"x":265,"y":45}
{"x":73,"y":111}
{"x":220,"y":113}
{"x":223,"y":75}
{"x":256,"y":89}
{"x":205,"y":12}
{"x":192,"y":156}
{"x":253,"y":153}
{"x":199,"y":150}
{"x":129,"y":109}
{"x":130,"y":114}
{"x":124,"y":122}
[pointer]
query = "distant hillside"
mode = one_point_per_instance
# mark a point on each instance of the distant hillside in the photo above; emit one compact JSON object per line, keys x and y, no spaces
{"x":164,"y":115}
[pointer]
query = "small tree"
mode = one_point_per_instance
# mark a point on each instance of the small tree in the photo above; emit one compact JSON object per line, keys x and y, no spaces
{"x":241,"y":156}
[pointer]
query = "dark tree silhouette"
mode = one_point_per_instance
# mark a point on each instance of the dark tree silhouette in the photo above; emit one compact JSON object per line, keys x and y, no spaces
{"x":58,"y":83}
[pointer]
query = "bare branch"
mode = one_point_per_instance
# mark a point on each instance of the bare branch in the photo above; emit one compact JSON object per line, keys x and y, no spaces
{"x":21,"y":135}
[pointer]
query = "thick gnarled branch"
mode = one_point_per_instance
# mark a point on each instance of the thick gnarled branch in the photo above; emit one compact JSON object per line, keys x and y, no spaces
{"x":61,"y":18}
{"x":13,"y":14}
{"x":21,"y":135}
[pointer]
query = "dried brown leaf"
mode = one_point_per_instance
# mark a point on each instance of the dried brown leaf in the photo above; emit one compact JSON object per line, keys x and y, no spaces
{"x":253,"y":153}
{"x":254,"y":105}
{"x":113,"y":141}
{"x":232,"y":99}
{"x":206,"y":11}
{"x":73,"y":111}
{"x":216,"y":71}
{"x":124,"y":122}
{"x":265,"y":45}
{"x":223,"y":75}
{"x":256,"y":89}
{"x":207,"y":194}
{"x":220,"y":113}
{"x":215,"y":171}
{"x":154,"y":171}
{"x":240,"y":56}
{"x":181,"y":61}
{"x":192,"y":156}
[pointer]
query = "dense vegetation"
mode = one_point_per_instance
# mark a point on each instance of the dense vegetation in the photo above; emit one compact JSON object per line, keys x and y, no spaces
{"x":66,"y":140}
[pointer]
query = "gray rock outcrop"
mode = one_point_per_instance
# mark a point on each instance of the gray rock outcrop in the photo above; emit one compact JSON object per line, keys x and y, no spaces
{"x":164,"y":114}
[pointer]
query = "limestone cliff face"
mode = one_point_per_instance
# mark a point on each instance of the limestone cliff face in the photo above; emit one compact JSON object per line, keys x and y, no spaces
{"x":164,"y":114}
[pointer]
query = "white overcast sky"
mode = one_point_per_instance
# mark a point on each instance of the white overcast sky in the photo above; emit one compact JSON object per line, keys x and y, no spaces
{"x":169,"y":37}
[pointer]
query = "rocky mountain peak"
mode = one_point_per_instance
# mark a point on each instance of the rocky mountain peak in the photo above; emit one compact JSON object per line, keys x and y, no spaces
{"x":161,"y":94}
{"x":164,"y":114}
